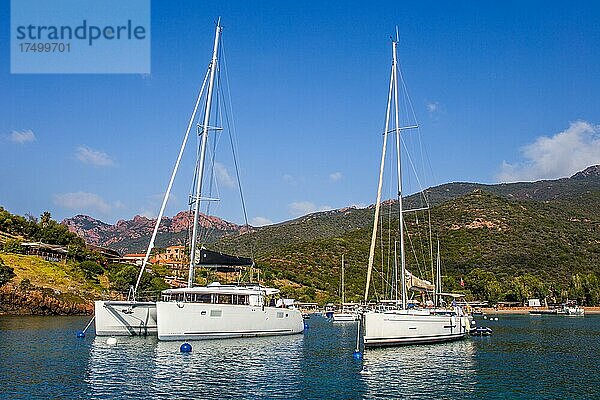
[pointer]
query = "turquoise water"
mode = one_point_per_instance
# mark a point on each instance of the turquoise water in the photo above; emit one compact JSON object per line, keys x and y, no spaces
{"x":528,"y":357}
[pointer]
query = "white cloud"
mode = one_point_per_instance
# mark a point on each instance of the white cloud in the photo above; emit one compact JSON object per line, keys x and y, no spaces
{"x":260,"y":221}
{"x":335,"y":176}
{"x":21,"y":137}
{"x":433,"y":106}
{"x":94,"y":157}
{"x":299,"y":208}
{"x":558,"y":156}
{"x":83,"y":202}
{"x":159,"y":197}
{"x":153,"y":202}
{"x":150,"y":214}
{"x":223,"y":176}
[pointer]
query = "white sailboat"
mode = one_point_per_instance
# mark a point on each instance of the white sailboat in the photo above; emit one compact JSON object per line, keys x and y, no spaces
{"x":397,"y":323}
{"x":220,"y":311}
{"x":132,"y":317}
{"x":347,"y":312}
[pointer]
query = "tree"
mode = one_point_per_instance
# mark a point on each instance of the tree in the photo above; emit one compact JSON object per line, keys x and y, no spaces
{"x":6,"y":273}
{"x":13,"y":246}
{"x":483,"y":285}
{"x":45,"y":219}
{"x":91,"y":269}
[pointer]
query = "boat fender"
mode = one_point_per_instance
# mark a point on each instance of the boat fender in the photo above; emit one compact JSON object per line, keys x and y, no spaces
{"x":80,"y":334}
{"x":185,"y":348}
{"x":357,"y":355}
{"x":306,"y":326}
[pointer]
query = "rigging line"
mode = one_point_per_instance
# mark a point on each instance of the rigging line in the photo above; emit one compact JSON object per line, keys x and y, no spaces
{"x":405,"y":89}
{"x":430,"y":244}
{"x":414,"y":115}
{"x":418,"y":229}
{"x":213,"y":182}
{"x":233,"y":132}
{"x":169,"y":186}
{"x":424,"y":195}
{"x":390,"y":211}
{"x":414,"y":169}
{"x":214,"y":142}
{"x":213,"y":154}
{"x":382,"y":249}
{"x":413,"y":249}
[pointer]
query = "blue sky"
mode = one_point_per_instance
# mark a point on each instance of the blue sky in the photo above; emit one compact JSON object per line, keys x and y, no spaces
{"x":502,"y":91}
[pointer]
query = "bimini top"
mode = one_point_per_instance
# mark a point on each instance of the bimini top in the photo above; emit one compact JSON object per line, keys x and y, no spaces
{"x":217,"y":288}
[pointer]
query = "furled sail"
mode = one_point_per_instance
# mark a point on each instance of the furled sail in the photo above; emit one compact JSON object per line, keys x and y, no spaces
{"x":208,"y":257}
{"x":414,"y":283}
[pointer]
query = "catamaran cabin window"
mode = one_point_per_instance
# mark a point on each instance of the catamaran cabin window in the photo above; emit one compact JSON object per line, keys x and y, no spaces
{"x":225,"y":299}
{"x":240,"y":299}
{"x":202,"y":298}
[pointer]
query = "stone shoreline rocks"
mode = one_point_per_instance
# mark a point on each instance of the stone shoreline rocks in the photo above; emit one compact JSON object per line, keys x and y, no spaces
{"x":16,"y":300}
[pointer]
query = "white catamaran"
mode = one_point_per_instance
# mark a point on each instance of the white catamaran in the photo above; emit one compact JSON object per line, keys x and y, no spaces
{"x":213,"y":311}
{"x":396,"y":322}
{"x":220,"y":311}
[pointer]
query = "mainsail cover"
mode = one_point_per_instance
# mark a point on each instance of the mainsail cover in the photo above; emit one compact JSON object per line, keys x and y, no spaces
{"x":414,"y":283}
{"x":208,"y":257}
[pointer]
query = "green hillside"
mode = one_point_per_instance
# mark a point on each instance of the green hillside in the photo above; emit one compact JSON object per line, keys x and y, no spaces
{"x":504,"y":249}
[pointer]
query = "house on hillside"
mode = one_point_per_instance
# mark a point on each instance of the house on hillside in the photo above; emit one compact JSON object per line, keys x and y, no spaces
{"x":133,"y":258}
{"x":110,"y":254}
{"x":173,"y":257}
{"x":49,"y":252}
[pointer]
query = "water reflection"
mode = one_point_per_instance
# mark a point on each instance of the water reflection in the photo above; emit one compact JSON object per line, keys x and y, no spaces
{"x":436,"y":371}
{"x":315,"y":365}
{"x":235,"y":368}
{"x":525,"y":358}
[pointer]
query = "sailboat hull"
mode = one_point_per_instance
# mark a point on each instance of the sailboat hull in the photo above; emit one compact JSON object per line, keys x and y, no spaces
{"x":345,"y":317}
{"x":196,"y":321}
{"x":125,"y":318}
{"x":403,"y":327}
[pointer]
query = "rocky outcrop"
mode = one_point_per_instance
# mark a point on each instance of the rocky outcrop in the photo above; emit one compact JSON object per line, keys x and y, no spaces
{"x":38,"y":301}
{"x":121,"y":235}
{"x":593,"y":171}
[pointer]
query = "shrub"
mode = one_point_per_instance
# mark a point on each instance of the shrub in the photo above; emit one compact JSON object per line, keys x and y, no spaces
{"x":13,"y":246}
{"x":6,"y":273}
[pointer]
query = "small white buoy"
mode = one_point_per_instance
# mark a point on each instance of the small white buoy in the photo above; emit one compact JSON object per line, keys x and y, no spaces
{"x":365,"y":371}
{"x":485,"y":317}
{"x":111,"y":341}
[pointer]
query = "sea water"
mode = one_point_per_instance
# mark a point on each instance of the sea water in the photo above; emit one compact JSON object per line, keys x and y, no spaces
{"x":527,"y":357}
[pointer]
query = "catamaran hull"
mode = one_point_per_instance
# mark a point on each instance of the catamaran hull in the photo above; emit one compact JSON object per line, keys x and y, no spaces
{"x":197,"y":321}
{"x":393,"y":329}
{"x":125,"y":318}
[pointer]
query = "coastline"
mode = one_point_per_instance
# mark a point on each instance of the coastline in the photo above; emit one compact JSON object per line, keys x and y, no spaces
{"x":525,"y":310}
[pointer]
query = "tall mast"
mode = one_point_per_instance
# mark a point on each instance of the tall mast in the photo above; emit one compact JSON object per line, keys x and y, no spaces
{"x":343,"y":298}
{"x":200,"y":167}
{"x":438,"y":277}
{"x":399,"y":168}
{"x":168,"y":192}
{"x":379,"y":185}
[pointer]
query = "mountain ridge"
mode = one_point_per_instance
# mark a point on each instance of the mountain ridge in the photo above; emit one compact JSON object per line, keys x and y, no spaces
{"x":133,"y":235}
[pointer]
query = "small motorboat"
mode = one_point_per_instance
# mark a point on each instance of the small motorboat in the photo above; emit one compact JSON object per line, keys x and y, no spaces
{"x":481,"y":331}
